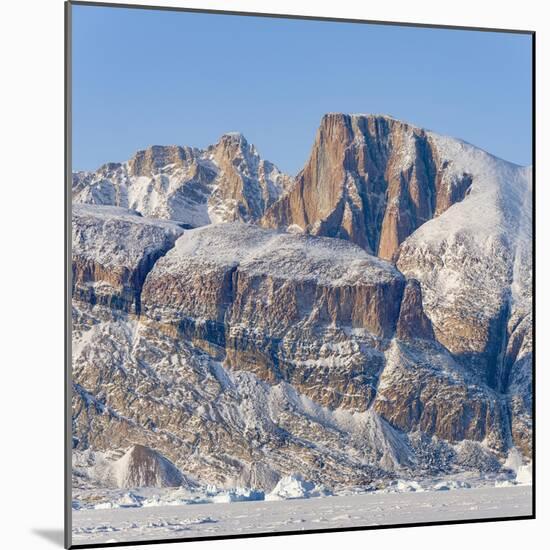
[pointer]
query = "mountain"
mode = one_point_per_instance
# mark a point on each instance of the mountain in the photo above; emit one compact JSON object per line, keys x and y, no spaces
{"x":372,"y":180}
{"x":322,"y":315}
{"x":369,"y":320}
{"x":225,"y":182}
{"x":288,"y":353}
{"x":474,"y":264}
{"x":451,"y":216}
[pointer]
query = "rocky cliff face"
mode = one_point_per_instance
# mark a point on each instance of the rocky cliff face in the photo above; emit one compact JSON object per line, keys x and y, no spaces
{"x":474,"y":266}
{"x":274,"y":280}
{"x":236,"y":318}
{"x":413,"y":322}
{"x":243,"y":354}
{"x":370,"y":179}
{"x":113,"y":249}
{"x":317,"y":313}
{"x":225,"y":182}
{"x":218,"y":425}
{"x":245,"y":185}
{"x":268,"y":302}
{"x":422,"y":388}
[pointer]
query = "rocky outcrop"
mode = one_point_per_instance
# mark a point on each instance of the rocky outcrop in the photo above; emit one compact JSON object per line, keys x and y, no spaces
{"x":135,"y":382}
{"x":225,"y":182}
{"x":518,"y":381}
{"x":423,"y":387}
{"x":144,"y":467}
{"x":340,"y":326}
{"x":516,"y":376}
{"x":319,"y":314}
{"x":468,"y":260}
{"x":466,"y":299}
{"x":369,"y":179}
{"x":266,"y":301}
{"x":218,"y":425}
{"x":245,"y":185}
{"x":474,"y":264}
{"x":113,"y":249}
{"x":516,"y":373}
{"x":273,"y":281}
{"x":413,"y":322}
{"x":154,"y":160}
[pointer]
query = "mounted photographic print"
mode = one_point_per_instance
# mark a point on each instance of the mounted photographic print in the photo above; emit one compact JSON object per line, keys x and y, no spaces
{"x":299,"y":287}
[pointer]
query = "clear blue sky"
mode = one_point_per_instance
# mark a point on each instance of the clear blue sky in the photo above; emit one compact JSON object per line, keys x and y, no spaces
{"x":143,"y":77}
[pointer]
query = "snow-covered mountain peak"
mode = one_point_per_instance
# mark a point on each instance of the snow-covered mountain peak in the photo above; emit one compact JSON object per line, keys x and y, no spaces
{"x":153,"y":160}
{"x":225,"y":182}
{"x":233,"y":147}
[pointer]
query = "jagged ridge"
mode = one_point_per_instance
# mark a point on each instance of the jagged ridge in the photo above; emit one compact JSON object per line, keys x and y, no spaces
{"x":370,"y":179}
{"x":225,"y":182}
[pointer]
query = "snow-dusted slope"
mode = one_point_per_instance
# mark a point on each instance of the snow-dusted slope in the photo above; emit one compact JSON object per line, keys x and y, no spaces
{"x":140,"y":466}
{"x":135,"y":383}
{"x":474,"y":263}
{"x":112,"y":251}
{"x":118,"y":237}
{"x":283,"y":255}
{"x":225,"y":182}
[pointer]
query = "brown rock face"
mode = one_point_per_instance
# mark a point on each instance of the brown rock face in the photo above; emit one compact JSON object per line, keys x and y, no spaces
{"x":113,"y":250}
{"x":516,"y":380}
{"x":371,"y":180}
{"x":152,"y":160}
{"x":265,"y":302}
{"x":245,"y":185}
{"x":226,"y":273}
{"x":413,"y":322}
{"x":446,"y":404}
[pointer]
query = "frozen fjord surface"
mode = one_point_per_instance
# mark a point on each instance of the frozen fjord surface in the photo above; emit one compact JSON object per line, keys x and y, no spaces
{"x":128,"y":524}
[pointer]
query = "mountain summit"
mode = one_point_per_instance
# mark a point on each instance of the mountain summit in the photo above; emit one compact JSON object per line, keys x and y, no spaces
{"x":225,"y":182}
{"x":370,"y":179}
